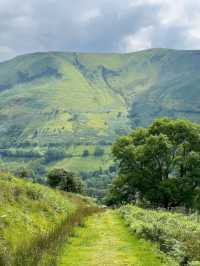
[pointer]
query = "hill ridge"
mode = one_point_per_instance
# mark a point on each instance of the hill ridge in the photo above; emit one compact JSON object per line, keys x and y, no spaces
{"x":98,"y":53}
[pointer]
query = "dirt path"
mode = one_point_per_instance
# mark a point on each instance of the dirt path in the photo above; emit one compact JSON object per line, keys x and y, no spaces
{"x":104,"y":240}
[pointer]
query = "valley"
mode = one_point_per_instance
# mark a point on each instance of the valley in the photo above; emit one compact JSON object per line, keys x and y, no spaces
{"x":99,"y":133}
{"x":57,"y":109}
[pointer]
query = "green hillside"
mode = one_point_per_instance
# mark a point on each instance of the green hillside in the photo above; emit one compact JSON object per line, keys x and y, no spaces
{"x":35,"y":220}
{"x":81,"y":102}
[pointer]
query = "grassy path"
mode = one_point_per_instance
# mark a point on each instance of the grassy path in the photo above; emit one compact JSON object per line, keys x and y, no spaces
{"x":105,"y":241}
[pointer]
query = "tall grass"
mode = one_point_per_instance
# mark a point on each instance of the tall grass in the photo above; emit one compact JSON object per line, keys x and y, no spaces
{"x":43,"y":250}
{"x":35,"y":220}
{"x":177,"y":234}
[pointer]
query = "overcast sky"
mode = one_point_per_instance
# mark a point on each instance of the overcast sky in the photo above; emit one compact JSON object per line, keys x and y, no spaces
{"x":97,"y":25}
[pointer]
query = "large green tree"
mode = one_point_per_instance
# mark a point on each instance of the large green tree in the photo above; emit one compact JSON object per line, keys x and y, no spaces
{"x":159,"y":164}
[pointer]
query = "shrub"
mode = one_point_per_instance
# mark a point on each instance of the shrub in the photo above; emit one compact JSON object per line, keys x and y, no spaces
{"x":53,"y":154}
{"x":85,"y":153}
{"x":98,"y":152}
{"x":177,"y":235}
{"x":65,"y":180}
{"x":22,"y":172}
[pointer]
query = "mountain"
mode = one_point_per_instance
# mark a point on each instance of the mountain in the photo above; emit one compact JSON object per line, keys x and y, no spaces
{"x":80,"y":103}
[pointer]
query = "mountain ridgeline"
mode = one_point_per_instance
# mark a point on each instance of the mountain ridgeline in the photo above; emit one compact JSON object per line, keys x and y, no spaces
{"x":81,"y":103}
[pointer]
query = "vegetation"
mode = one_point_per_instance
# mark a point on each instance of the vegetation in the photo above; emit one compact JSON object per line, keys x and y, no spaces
{"x":85,"y":153}
{"x":67,"y":181}
{"x":98,"y":152}
{"x":159,"y":165}
{"x":75,"y":102}
{"x":176,"y":234}
{"x":59,"y":115}
{"x":53,"y":154}
{"x":35,"y":220}
{"x":104,"y":240}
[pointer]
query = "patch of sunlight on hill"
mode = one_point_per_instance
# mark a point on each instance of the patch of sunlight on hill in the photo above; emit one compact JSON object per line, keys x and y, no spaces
{"x":84,"y":164}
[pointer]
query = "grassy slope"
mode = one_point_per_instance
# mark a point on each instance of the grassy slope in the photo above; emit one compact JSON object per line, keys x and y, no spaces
{"x":80,"y":99}
{"x":30,"y":215}
{"x":104,"y":240}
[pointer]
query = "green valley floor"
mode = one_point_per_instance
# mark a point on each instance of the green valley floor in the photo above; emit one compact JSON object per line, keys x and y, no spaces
{"x":104,"y":240}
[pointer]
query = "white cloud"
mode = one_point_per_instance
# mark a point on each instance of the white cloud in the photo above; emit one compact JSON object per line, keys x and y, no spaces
{"x":90,"y":15}
{"x":172,"y":13}
{"x":97,"y":25}
{"x":134,"y":3}
{"x":6,"y":53}
{"x":138,"y":41}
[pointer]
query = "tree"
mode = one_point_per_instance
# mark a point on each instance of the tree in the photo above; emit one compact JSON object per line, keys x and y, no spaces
{"x":85,"y":153}
{"x":159,"y":164}
{"x":65,"y":180}
{"x":98,"y":151}
{"x":53,"y":154}
{"x":22,"y":172}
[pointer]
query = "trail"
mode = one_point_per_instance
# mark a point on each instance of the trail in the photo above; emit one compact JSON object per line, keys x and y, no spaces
{"x":104,"y":240}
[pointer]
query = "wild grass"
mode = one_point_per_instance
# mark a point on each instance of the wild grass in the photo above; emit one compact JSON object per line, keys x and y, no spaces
{"x":176,"y":234}
{"x":105,"y":240}
{"x":34,"y":220}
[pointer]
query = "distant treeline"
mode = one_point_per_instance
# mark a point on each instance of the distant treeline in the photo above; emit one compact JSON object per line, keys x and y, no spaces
{"x":51,"y":154}
{"x":20,"y":153}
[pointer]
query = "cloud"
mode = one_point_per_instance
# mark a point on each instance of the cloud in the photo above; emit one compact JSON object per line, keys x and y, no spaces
{"x":139,"y":41}
{"x":6,"y":53}
{"x":97,"y":25}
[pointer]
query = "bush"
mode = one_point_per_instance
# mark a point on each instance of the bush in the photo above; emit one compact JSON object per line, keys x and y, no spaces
{"x":98,"y":152}
{"x":65,"y":180}
{"x":54,"y":154}
{"x":177,"y":235}
{"x":22,"y":172}
{"x":85,"y":153}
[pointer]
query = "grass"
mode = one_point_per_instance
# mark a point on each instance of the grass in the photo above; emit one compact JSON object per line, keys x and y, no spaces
{"x":33,"y":219}
{"x":176,"y":234}
{"x":105,"y":240}
{"x":85,"y":164}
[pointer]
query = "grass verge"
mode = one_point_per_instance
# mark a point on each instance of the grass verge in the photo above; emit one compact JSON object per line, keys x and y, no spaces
{"x":176,"y":234}
{"x":105,"y":240}
{"x":34,"y":220}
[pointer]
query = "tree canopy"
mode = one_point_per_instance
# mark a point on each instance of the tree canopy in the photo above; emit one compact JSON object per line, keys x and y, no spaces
{"x":159,"y":164}
{"x":65,"y":180}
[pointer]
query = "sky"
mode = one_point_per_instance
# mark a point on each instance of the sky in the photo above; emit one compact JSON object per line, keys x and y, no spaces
{"x":122,"y":26}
